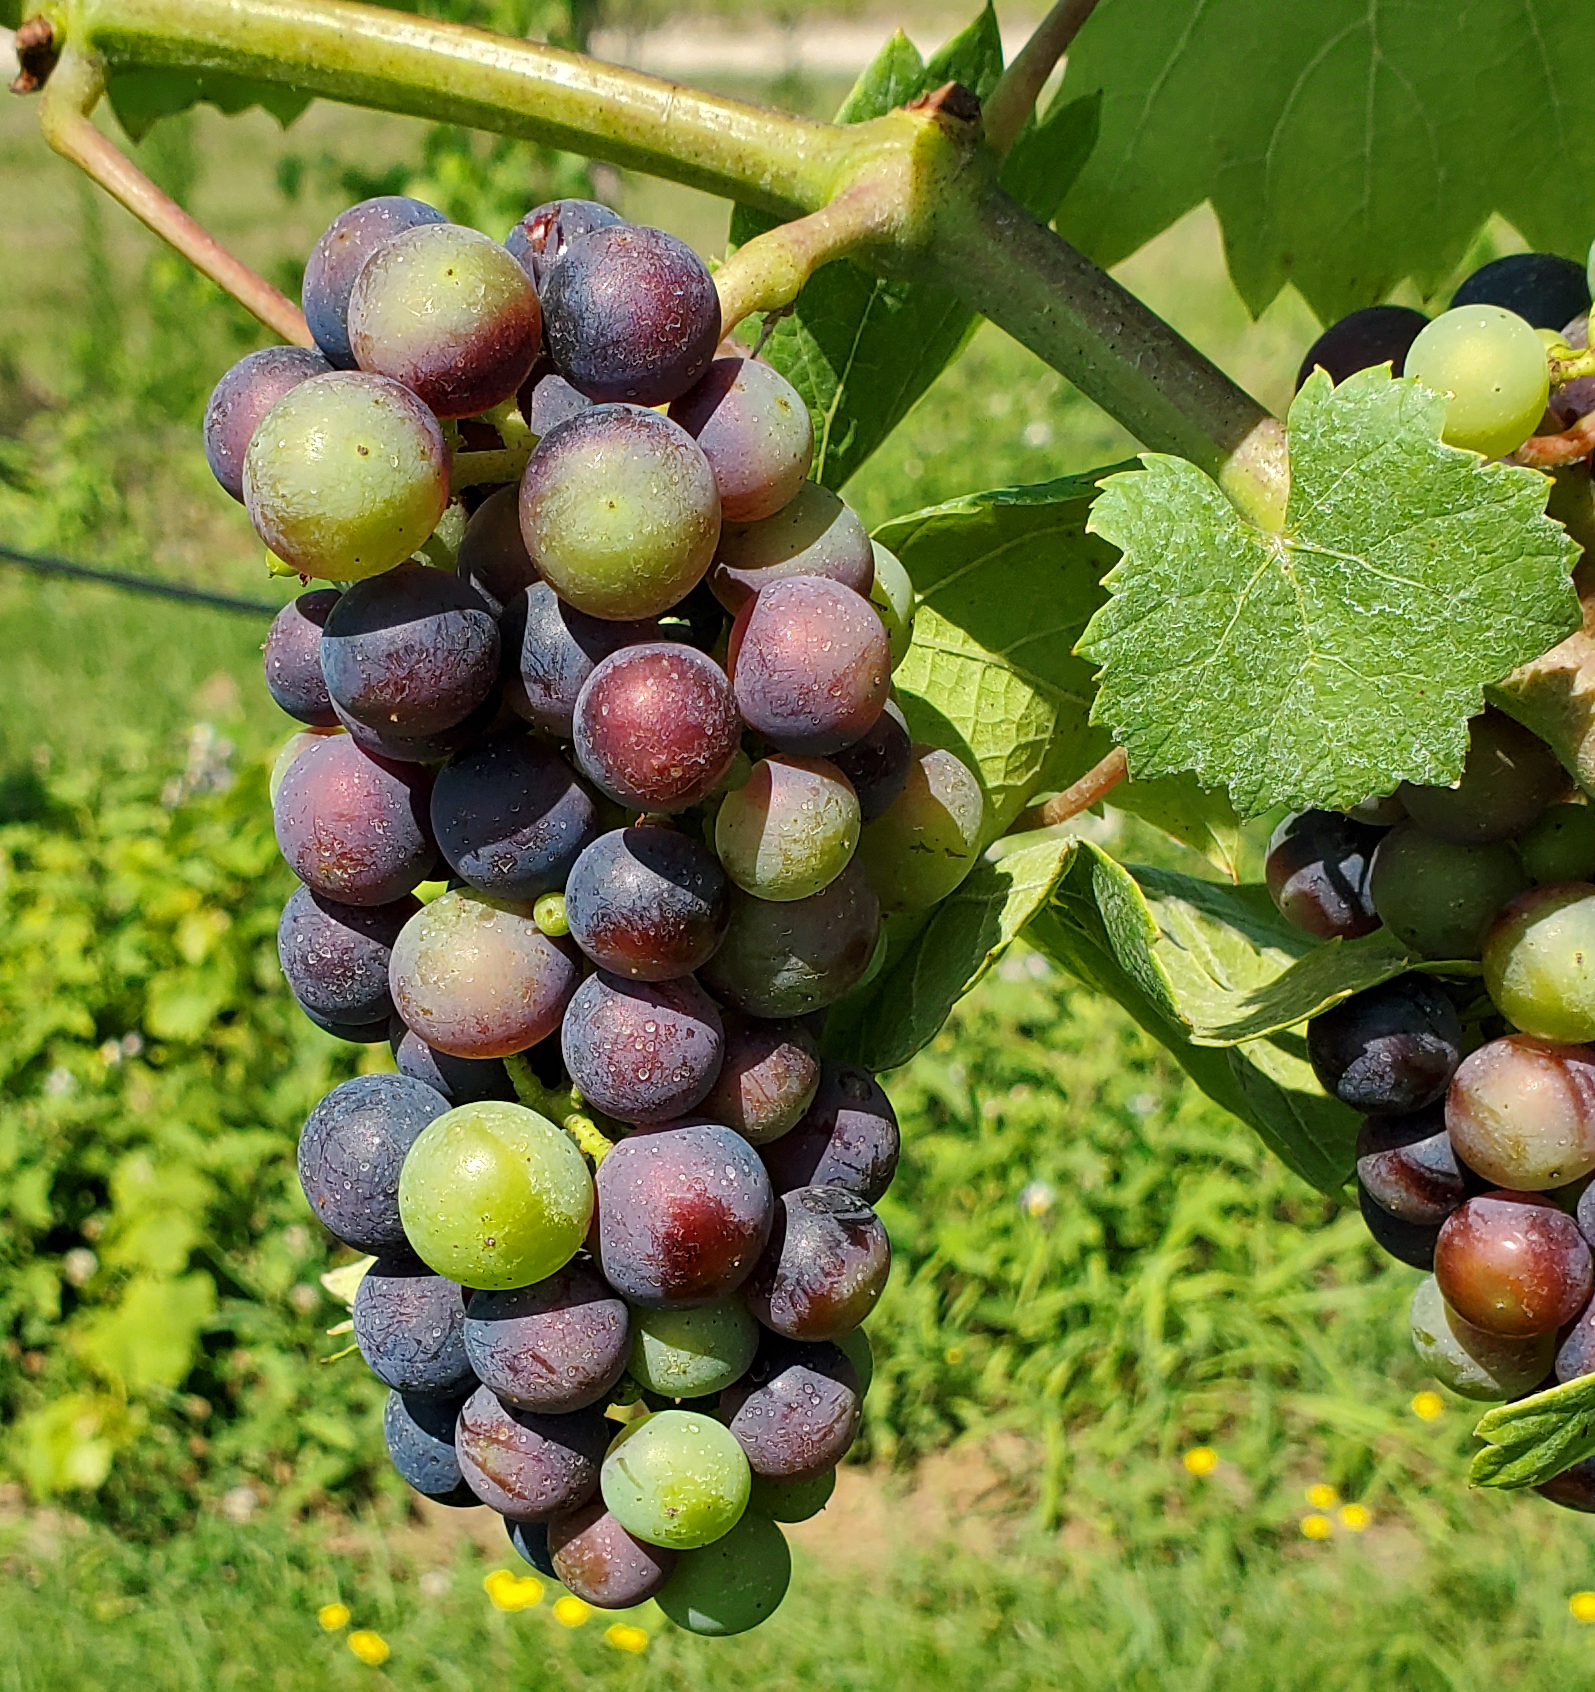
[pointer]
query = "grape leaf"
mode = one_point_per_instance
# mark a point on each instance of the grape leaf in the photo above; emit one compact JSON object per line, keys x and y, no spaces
{"x":1005,"y":582}
{"x":1203,"y":820}
{"x":1346,"y":150}
{"x":141,"y":98}
{"x":1316,"y":666}
{"x":862,"y":350}
{"x":888,"y":1020}
{"x":1529,"y":1441}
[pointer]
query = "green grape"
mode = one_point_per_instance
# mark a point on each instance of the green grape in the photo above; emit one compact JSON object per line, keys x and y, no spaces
{"x":734,"y":1584}
{"x":925,"y":842}
{"x":1492,"y":367}
{"x":790,"y":829}
{"x":893,"y":597}
{"x":1560,"y":846}
{"x":860,"y":1353}
{"x":1536,"y":965}
{"x":677,"y":1478}
{"x":791,"y":1500}
{"x":692,"y":1353}
{"x":1437,"y":897}
{"x":493,"y":1195}
{"x":550,"y":916}
{"x":346,"y":476}
{"x":1471,"y":1362}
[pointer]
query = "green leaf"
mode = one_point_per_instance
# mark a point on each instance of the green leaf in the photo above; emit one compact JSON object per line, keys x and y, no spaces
{"x":862,"y":350}
{"x":1339,"y":143}
{"x":1528,"y":1442}
{"x":141,"y":98}
{"x":151,"y":1337}
{"x":1316,"y":666}
{"x":1184,"y":957}
{"x":904,"y":1007}
{"x":1203,"y":820}
{"x":1005,"y":582}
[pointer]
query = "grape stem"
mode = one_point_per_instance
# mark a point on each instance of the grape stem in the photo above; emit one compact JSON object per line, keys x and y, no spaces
{"x":1014,"y":98}
{"x":1546,"y":452}
{"x":1094,"y":786}
{"x":474,"y":469}
{"x":562,"y":1105}
{"x":74,"y":87}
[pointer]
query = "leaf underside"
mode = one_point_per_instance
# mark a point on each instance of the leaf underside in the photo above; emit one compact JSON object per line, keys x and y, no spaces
{"x":141,"y":98}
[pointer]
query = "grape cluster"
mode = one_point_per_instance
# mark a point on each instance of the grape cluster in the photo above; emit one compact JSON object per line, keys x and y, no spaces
{"x":597,"y":807}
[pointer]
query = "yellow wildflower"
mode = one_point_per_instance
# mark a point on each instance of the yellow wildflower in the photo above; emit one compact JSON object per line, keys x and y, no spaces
{"x":1322,"y":1497}
{"x":1316,"y":1526}
{"x":1354,"y":1517}
{"x":1428,"y":1406}
{"x":625,"y":1638}
{"x":1582,"y":1605}
{"x":512,"y":1592}
{"x":571,"y":1612}
{"x":333,"y":1616}
{"x":369,"y":1647}
{"x":1200,"y":1460}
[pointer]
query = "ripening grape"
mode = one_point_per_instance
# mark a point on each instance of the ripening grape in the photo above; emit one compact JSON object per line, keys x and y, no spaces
{"x":548,"y":400}
{"x":1407,"y":1242}
{"x":1492,"y":367}
{"x":847,"y":1138}
{"x":292,"y":655}
{"x":346,"y":476}
{"x":1509,"y":778}
{"x":242,"y":398}
{"x":410,"y":1326}
{"x":477,"y":978}
{"x":619,"y":511}
{"x":796,"y":1411}
{"x":692,"y":1353}
{"x":780,"y":960}
{"x":683,"y":1213}
{"x":926,"y":841}
{"x":791,"y":1500}
{"x":1573,"y":1489}
{"x":732,"y":1585}
{"x":809,"y":665}
{"x":492,"y":557}
{"x":1390,"y":1049}
{"x":595,"y":1558}
{"x":458,"y":1080}
{"x":335,"y":957}
{"x":300,"y":741}
{"x":631,"y":314}
{"x":423,"y":748}
{"x":1470,"y":1361}
{"x":1409,"y":1167}
{"x":756,"y":433}
{"x":824,"y":1268}
{"x":1378,"y":334}
{"x":1544,"y":289}
{"x":1537,"y":958}
{"x":647,"y":903}
{"x":1513,"y":1264}
{"x":354,"y":828}
{"x":449,"y":314}
{"x":676,"y":1478}
{"x":351,"y":1150}
{"x":655,"y":726}
{"x":419,"y":1435}
{"x":892,"y":595}
{"x":768,"y":1078}
{"x":410,"y":652}
{"x":338,"y":257}
{"x":811,"y":534}
{"x":495,"y":1196}
{"x":1575,"y":1351}
{"x":1317,"y":873}
{"x":1521,"y":1111}
{"x":1439,"y":898}
{"x":555,"y":1346}
{"x":547,"y":230}
{"x":1560,"y":846}
{"x":526,"y":1465}
{"x":641,"y":1051}
{"x":790,"y":829}
{"x":550,"y":649}
{"x":878,"y":765}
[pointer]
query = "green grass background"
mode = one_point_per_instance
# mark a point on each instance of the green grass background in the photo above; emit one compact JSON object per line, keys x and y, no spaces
{"x":1020,"y":1515}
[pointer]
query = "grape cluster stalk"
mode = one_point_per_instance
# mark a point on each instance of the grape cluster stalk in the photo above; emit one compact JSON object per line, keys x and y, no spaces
{"x":1476,"y":1153}
{"x":598,"y":798}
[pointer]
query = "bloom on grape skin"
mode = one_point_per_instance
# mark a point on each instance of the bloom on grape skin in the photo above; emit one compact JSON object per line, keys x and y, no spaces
{"x":371,"y":1648}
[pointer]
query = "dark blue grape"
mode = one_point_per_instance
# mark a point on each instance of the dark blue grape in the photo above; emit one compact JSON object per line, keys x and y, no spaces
{"x":550,"y":649}
{"x":1408,"y":1166}
{"x":595,"y":1558}
{"x":630,"y":314}
{"x":547,"y":230}
{"x":1574,"y":1488}
{"x":1407,"y":1242}
{"x":642,"y":1051}
{"x":847,"y":1138}
{"x":357,"y":1033}
{"x":411,"y":652}
{"x":493,"y":559}
{"x":796,"y":1411}
{"x":351,"y":1149}
{"x":510,"y":818}
{"x":824,"y":1268}
{"x":647,"y":903}
{"x":410,"y":1327}
{"x":338,"y":257}
{"x":1390,"y":1050}
{"x":530,"y":1541}
{"x":292,"y":656}
{"x":525,"y":1465}
{"x":335,"y":956}
{"x":1378,"y":334}
{"x":459,"y":1080}
{"x":242,"y":398}
{"x":1317,"y":872}
{"x":1544,"y":289}
{"x":419,"y":1433}
{"x":879,"y":762}
{"x":1575,"y":1350}
{"x":556,"y":1346}
{"x":404,"y":749}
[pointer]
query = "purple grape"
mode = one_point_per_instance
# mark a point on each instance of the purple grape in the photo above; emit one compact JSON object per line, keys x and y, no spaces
{"x":642,"y":1051}
{"x":632,"y":314}
{"x":814,"y":534}
{"x":810,"y":666}
{"x":1379,"y":334}
{"x":530,"y":1541}
{"x":355,"y":828}
{"x":647,"y":903}
{"x":527,"y":1466}
{"x":825,"y":1267}
{"x":796,"y":1411}
{"x":1409,"y":1167}
{"x":425,"y":748}
{"x":756,"y":433}
{"x":547,"y":230}
{"x":510,"y":818}
{"x":1574,"y":1488}
{"x":656,"y":727}
{"x":767,"y":1079}
{"x":1510,"y":776}
{"x":335,"y":957}
{"x":493,"y":560}
{"x":419,"y":1435}
{"x":459,"y":1080}
{"x":413,"y":651}
{"x":551,"y":401}
{"x":556,"y":1346}
{"x":1389,"y":1050}
{"x":550,"y":649}
{"x":293,"y":658}
{"x":1544,"y":289}
{"x":1512,"y":1263}
{"x":847,"y":1138}
{"x":1317,"y":873}
{"x":337,"y":258}
{"x":683,"y":1214}
{"x":1575,"y":1351}
{"x":1408,"y":1242}
{"x":357,"y":1033}
{"x":351,"y":1149}
{"x":1574,"y":399}
{"x":243,"y":396}
{"x":878,"y":764}
{"x":595,"y":1558}
{"x":410,"y":1327}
